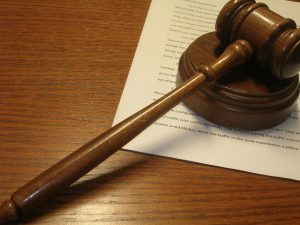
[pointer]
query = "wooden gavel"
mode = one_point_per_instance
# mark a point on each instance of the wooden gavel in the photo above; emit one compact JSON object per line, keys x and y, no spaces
{"x":251,"y":28}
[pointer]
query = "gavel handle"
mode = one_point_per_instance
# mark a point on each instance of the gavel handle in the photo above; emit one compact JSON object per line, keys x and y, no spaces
{"x":74,"y":166}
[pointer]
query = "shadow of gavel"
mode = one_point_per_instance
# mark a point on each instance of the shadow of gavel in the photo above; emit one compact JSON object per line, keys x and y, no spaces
{"x":253,"y":30}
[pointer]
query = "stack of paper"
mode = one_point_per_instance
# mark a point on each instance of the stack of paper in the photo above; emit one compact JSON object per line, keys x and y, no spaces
{"x":170,"y":27}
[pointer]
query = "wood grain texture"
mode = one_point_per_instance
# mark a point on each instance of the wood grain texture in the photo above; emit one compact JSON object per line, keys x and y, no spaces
{"x":63,"y":65}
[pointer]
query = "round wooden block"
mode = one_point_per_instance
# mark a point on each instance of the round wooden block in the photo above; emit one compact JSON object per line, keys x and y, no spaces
{"x":246,"y":98}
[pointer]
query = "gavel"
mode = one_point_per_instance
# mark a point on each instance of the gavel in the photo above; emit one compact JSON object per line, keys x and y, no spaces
{"x":250,"y":27}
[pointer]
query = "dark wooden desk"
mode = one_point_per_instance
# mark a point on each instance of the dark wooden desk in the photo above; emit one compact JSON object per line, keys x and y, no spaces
{"x":63,"y":65}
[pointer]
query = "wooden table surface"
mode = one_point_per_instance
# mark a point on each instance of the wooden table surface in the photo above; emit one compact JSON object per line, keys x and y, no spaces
{"x":63,"y":66}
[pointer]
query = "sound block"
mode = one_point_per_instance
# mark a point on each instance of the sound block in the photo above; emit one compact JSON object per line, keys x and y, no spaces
{"x":246,"y":98}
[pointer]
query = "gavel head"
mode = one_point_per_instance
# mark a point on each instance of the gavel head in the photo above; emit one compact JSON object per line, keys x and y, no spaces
{"x":275,"y":40}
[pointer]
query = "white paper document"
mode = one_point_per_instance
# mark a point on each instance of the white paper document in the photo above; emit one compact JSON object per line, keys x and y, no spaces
{"x":171,"y":25}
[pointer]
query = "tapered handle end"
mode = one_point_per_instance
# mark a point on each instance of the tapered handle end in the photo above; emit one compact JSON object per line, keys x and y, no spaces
{"x":8,"y":212}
